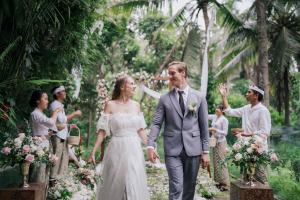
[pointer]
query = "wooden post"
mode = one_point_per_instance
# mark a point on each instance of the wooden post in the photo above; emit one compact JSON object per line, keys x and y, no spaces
{"x":241,"y":191}
{"x":36,"y":191}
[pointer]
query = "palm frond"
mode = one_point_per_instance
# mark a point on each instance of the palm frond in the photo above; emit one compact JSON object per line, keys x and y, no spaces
{"x":247,"y":34}
{"x":192,"y":49}
{"x":235,"y":57}
{"x":285,"y":47}
{"x":129,"y":6}
{"x":9,"y":48}
{"x":229,"y":20}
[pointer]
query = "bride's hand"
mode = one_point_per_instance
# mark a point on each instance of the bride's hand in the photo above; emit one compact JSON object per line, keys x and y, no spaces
{"x":92,"y":159}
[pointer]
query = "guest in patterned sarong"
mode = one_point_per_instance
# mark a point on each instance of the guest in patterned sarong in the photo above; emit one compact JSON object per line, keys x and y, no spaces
{"x":41,"y":127}
{"x":219,"y":129}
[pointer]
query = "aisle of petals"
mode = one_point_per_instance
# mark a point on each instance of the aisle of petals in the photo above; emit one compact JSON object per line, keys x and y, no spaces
{"x":81,"y":184}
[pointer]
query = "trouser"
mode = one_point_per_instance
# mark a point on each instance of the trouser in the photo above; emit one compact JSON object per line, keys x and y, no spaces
{"x":60,"y":149}
{"x":182,"y":171}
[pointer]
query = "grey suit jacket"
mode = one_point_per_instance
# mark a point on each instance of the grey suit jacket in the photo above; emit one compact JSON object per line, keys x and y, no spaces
{"x":189,"y":130}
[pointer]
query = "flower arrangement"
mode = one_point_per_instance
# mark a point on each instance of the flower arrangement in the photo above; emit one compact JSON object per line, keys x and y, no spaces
{"x":87,"y":177}
{"x":249,"y":152}
{"x":24,"y":149}
{"x":64,"y":189}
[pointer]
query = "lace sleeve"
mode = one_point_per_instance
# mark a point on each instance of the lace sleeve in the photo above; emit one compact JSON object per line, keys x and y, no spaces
{"x":103,"y":123}
{"x":142,"y":123}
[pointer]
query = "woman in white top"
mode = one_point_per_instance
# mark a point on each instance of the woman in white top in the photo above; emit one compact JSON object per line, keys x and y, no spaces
{"x":41,"y":125}
{"x":219,"y":128}
{"x":124,"y":175}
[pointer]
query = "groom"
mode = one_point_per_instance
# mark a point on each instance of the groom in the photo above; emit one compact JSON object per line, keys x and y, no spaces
{"x":184,"y":113}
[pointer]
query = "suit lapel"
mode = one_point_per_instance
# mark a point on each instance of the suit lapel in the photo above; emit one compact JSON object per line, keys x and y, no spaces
{"x":175,"y":102}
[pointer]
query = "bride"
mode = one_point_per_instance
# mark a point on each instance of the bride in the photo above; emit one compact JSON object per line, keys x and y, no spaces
{"x":124,"y":176}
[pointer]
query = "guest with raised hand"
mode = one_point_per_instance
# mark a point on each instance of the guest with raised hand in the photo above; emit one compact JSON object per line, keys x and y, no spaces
{"x":42,"y":127}
{"x":59,"y":142}
{"x":219,"y":128}
{"x":256,"y":120}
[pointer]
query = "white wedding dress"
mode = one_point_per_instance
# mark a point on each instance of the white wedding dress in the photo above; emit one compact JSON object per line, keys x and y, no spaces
{"x":124,"y":176}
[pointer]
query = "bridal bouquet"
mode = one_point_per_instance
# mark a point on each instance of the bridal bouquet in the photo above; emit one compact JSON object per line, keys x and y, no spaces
{"x":248,"y":152}
{"x":24,"y":149}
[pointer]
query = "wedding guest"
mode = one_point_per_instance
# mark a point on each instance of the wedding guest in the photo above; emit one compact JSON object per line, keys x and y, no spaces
{"x":219,"y":129}
{"x":41,"y":126}
{"x":256,"y":120}
{"x":59,"y":142}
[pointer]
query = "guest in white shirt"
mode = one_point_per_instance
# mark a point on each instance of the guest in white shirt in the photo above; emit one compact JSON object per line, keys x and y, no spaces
{"x":41,"y":126}
{"x":256,"y":119}
{"x":219,"y":128}
{"x":59,"y":142}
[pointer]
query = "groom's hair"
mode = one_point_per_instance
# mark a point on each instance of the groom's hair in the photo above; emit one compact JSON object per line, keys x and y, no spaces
{"x":181,"y":66}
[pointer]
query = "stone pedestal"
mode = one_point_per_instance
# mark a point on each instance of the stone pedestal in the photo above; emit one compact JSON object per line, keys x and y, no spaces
{"x":36,"y":191}
{"x":240,"y":191}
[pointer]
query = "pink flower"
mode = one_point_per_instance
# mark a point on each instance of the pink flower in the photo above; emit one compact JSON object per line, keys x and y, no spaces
{"x":6,"y":150}
{"x":29,"y":158}
{"x":26,"y":149}
{"x":274,"y":157}
{"x":260,"y":150}
{"x":72,"y":126}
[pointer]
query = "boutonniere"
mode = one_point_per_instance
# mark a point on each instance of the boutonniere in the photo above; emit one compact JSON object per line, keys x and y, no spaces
{"x":193,"y":108}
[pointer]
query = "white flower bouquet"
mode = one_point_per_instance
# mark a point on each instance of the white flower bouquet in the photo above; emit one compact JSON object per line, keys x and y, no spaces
{"x":251,"y":151}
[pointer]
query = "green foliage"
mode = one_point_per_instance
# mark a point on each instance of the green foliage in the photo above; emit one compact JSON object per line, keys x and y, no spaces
{"x":277,"y":119}
{"x":159,"y":42}
{"x":235,"y":101}
{"x":283,"y":184}
{"x":211,"y":87}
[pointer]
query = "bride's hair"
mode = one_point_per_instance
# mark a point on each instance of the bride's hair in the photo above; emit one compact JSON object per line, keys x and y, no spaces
{"x":120,"y":81}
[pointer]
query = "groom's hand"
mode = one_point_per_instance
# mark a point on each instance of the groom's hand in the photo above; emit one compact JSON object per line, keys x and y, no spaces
{"x":152,"y":155}
{"x":205,"y":160}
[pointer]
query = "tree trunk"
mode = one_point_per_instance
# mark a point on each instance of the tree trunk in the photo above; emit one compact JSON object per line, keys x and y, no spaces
{"x":204,"y":71}
{"x":205,"y":14}
{"x":89,"y":128}
{"x":260,"y":6}
{"x":286,"y":97}
{"x":279,"y":97}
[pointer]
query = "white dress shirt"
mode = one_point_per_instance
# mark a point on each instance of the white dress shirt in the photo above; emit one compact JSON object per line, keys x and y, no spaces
{"x":61,"y":118}
{"x":184,"y":94}
{"x":40,"y":123}
{"x":256,"y":119}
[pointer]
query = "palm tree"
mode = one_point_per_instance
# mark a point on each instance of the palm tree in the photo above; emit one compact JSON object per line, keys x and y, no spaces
{"x":285,"y":46}
{"x":187,"y":18}
{"x":283,"y":31}
{"x":262,"y":33}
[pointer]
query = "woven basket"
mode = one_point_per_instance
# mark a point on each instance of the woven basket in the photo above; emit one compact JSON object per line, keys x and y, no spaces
{"x":212,"y":141}
{"x":74,"y":140}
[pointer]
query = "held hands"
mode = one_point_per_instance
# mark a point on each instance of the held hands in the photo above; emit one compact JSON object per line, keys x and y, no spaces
{"x":223,"y":90}
{"x":152,"y":155}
